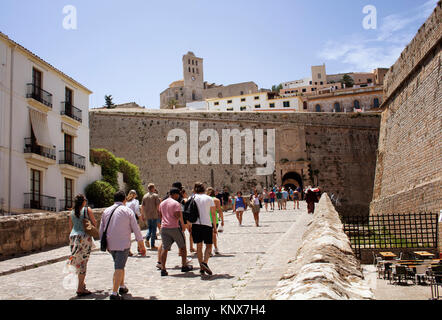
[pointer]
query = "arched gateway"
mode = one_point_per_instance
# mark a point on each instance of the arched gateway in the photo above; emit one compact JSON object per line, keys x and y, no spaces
{"x":292,"y":180}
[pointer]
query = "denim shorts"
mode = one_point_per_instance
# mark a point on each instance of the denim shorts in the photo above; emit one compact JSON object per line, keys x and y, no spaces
{"x":120,"y":258}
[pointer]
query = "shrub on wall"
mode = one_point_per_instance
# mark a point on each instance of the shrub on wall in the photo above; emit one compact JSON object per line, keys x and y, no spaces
{"x":131,"y":176}
{"x":100,"y":193}
{"x":111,"y":165}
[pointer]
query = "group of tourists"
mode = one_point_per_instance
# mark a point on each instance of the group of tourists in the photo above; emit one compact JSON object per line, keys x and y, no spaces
{"x":170,"y":216}
{"x":119,"y":221}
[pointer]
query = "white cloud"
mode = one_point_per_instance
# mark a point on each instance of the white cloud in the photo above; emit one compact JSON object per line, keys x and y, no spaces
{"x":383,"y":46}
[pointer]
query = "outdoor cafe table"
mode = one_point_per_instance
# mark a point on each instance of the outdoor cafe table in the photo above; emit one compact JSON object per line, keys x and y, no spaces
{"x":388,"y":255}
{"x":424,"y":254}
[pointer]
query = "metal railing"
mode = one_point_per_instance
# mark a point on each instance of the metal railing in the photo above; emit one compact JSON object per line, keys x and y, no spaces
{"x":73,"y":159}
{"x":39,"y":94}
{"x":40,"y":202}
{"x":390,"y":231}
{"x":71,"y":111}
{"x":32,"y":147}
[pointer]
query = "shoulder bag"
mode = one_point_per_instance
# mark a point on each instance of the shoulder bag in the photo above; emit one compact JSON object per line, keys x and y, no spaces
{"x":103,"y":240}
{"x":88,"y":227}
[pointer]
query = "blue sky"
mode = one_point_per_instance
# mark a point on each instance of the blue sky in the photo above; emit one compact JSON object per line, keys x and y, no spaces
{"x":133,"y":49}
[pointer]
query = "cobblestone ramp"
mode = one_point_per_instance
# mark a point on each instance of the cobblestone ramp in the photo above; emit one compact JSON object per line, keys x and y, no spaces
{"x":251,"y":262}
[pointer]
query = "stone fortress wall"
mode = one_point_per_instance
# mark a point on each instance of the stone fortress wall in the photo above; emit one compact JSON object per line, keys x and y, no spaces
{"x":335,"y":151}
{"x":409,"y":160}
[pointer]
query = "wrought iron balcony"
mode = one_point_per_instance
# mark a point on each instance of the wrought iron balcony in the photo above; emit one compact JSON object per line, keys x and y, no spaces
{"x":40,"y":202}
{"x":66,"y":204}
{"x":70,"y":158}
{"x":32,"y":147}
{"x":69,"y":110}
{"x":39,"y":94}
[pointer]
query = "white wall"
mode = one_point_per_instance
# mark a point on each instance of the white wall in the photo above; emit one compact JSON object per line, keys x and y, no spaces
{"x":250,"y":102}
{"x":53,"y":178}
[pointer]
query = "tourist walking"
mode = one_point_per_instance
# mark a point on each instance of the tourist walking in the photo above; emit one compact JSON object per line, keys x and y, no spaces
{"x":239,"y":206}
{"x":203,"y":228}
{"x":133,"y":204}
{"x":300,"y":193}
{"x":187,"y":225}
{"x":79,"y":242}
{"x":285,"y":196}
{"x":279,"y":198}
{"x":150,"y":209}
{"x":272,"y":196}
{"x":296,"y":198}
{"x":266,"y":197}
{"x":310,"y":198}
{"x":172,"y":230}
{"x":219,"y":216}
{"x":255,"y":203}
{"x":226,"y":200}
{"x":119,"y":222}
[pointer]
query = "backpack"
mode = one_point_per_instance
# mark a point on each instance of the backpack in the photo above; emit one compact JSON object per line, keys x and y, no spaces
{"x":191,"y":212}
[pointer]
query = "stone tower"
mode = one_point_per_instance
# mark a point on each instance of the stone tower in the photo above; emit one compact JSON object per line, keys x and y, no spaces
{"x":193,"y":73}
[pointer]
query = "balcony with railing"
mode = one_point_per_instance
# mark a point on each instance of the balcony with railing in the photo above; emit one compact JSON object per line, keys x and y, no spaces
{"x":38,"y":94}
{"x":69,"y":110}
{"x":72,"y":159}
{"x":33,"y":147}
{"x":37,"y":201}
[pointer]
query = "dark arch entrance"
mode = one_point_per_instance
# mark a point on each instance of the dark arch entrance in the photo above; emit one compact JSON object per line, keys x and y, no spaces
{"x":292,"y":180}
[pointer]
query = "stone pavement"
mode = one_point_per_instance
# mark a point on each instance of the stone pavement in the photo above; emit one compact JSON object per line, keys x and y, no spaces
{"x":250,"y":265}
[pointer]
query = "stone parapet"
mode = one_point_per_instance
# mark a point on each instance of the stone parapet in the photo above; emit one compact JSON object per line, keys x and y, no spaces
{"x":28,"y":233}
{"x":325,"y":267}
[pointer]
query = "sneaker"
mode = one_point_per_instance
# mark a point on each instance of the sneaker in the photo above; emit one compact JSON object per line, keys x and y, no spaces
{"x":115,"y":297}
{"x":186,"y":268}
{"x":216,"y":251}
{"x":123,"y":290}
{"x":154,"y":248}
{"x":146,"y":242}
{"x":164,"y":273}
{"x":206,"y":268}
{"x":159,"y":265}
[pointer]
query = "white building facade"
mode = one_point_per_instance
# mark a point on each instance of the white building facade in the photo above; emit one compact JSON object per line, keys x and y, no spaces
{"x":44,"y":134}
{"x":260,"y":102}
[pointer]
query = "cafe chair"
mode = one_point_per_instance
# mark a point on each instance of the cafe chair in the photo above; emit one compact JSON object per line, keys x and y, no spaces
{"x":399,"y":273}
{"x":376,"y":259}
{"x":399,"y":258}
{"x":421,"y":273}
{"x":435,"y":276}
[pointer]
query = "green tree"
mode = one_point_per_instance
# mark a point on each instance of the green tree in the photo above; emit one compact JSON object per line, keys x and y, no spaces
{"x":109,"y":165}
{"x":172,"y":104}
{"x":108,"y":102}
{"x":348,"y":81}
{"x":131,"y":176}
{"x":276,"y":88}
{"x":100,"y":194}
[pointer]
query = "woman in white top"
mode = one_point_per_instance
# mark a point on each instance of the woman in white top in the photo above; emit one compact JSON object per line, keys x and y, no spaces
{"x":134,"y":205}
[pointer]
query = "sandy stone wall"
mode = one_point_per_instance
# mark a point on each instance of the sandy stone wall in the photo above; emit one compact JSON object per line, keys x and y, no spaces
{"x":325,"y":267}
{"x":35,"y":232}
{"x":339,"y":148}
{"x":409,"y":160}
{"x":365,"y":96}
